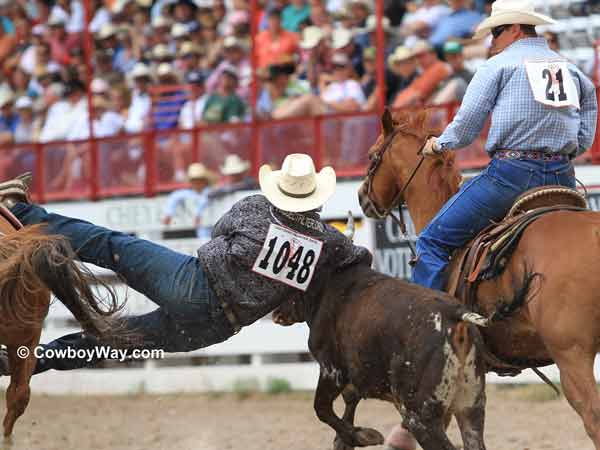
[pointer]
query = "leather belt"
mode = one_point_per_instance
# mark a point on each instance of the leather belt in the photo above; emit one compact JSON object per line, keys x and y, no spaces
{"x":531,"y":155}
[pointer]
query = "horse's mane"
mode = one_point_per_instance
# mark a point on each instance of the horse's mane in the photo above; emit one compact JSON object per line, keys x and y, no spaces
{"x":424,"y":122}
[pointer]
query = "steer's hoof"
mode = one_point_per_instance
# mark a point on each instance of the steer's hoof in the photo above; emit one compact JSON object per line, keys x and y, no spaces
{"x":367,"y":436}
{"x":338,"y":444}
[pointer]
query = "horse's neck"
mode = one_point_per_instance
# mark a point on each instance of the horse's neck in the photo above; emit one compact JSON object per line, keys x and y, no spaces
{"x":424,"y":199}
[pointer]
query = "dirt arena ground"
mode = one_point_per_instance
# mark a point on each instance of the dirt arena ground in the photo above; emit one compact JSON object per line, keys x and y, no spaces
{"x":518,"y":419}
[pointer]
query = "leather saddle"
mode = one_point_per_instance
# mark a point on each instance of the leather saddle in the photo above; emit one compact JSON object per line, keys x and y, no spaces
{"x":486,"y":256}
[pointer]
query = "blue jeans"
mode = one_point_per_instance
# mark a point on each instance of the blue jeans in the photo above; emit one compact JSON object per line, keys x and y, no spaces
{"x":189,"y":315}
{"x":483,"y":199}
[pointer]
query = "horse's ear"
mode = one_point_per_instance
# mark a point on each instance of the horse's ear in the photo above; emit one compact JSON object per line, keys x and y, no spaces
{"x":387,"y":123}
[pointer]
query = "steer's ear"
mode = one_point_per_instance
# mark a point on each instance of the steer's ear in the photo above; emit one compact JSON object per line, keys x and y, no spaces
{"x":387,"y":123}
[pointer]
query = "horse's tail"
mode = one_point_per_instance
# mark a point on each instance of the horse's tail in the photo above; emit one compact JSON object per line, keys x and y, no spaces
{"x":32,"y":262}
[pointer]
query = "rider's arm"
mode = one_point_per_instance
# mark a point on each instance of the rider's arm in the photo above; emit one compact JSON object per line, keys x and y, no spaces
{"x":588,"y":115}
{"x":479,"y":100}
{"x":173,"y":201}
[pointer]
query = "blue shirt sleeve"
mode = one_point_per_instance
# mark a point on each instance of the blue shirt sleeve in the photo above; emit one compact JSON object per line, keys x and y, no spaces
{"x":202,"y":202}
{"x":477,"y":104}
{"x":588,"y":114}
{"x":174,"y":200}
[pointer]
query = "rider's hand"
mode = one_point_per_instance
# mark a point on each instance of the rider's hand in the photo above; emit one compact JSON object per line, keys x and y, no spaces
{"x":166,"y":220}
{"x":431,"y":148}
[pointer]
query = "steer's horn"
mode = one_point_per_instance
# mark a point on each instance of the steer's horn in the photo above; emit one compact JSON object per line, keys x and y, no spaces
{"x":349,"y":231}
{"x":475,"y":319}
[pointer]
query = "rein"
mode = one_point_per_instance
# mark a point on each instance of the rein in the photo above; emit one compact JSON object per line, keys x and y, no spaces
{"x":398,"y":199}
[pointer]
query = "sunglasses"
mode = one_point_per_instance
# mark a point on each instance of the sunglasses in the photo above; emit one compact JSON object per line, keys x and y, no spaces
{"x":496,"y":32}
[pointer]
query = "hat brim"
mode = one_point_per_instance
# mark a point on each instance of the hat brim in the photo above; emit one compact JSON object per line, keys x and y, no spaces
{"x":241,"y":168}
{"x":269,"y":179}
{"x":511,"y":18}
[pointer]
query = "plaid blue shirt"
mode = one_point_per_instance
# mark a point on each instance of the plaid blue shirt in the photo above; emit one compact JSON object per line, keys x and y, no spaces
{"x":519,"y":122}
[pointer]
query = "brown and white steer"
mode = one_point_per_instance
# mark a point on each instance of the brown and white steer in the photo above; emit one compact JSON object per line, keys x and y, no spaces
{"x":380,"y":337}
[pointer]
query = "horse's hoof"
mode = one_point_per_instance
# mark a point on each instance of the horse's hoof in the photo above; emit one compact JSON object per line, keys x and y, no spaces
{"x":8,"y":442}
{"x":367,"y":436}
{"x":338,"y":444}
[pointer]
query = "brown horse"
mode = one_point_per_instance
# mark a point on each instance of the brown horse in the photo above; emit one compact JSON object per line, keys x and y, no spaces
{"x":32,"y":266}
{"x":560,"y":320}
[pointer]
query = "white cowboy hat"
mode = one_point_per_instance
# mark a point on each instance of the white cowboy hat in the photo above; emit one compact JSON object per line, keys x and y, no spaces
{"x":198,"y":171}
{"x":340,"y":38}
{"x":509,"y":12}
{"x":371,"y":25}
{"x":233,"y":165}
{"x":6,"y":96}
{"x":400,"y":54}
{"x":297,"y":187}
{"x":311,"y":36}
{"x":141,"y":70}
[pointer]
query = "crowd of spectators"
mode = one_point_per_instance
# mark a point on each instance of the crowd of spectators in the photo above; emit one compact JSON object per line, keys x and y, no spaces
{"x":165,"y":64}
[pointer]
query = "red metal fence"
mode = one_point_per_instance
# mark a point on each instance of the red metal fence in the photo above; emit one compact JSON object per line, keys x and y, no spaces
{"x":156,"y":161}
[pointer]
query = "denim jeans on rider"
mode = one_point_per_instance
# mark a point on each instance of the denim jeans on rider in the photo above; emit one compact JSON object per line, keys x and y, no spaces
{"x":483,"y":199}
{"x":189,"y":315}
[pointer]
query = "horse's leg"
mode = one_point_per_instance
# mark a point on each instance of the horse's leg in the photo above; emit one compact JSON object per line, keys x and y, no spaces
{"x":579,"y":386}
{"x":16,"y":365}
{"x":351,"y":399}
{"x":327,"y":391}
{"x":17,"y":396}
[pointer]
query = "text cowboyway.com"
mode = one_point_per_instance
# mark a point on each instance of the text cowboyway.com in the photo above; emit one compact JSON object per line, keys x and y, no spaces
{"x":90,"y":354}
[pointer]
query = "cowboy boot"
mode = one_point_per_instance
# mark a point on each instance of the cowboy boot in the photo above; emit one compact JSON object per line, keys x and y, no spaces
{"x":15,"y":190}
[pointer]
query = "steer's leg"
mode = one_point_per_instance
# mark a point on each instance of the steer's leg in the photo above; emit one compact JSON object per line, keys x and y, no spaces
{"x":327,"y":391}
{"x":471,"y":418}
{"x":351,"y":399}
{"x":427,"y":428}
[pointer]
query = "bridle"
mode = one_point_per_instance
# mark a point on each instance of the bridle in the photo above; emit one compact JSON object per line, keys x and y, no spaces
{"x":376,"y":159}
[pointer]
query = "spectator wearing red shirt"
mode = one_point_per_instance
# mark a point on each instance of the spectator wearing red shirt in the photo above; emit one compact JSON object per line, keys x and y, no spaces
{"x":58,"y":40}
{"x":275,"y":42}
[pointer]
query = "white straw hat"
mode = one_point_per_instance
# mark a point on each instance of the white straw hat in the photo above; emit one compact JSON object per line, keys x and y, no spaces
{"x":233,"y":165}
{"x":509,"y":12}
{"x":6,"y":96}
{"x":198,"y":171}
{"x":400,"y":54}
{"x":141,"y":70}
{"x":311,"y":36}
{"x":340,"y":38}
{"x":297,"y":187}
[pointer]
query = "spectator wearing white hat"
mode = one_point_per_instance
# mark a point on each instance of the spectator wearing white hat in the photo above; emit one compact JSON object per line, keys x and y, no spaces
{"x":199,"y":179}
{"x":238,"y":178}
{"x":189,"y":57}
{"x":433,"y":73}
{"x":400,"y":73}
{"x":314,"y":55}
{"x":57,"y":38}
{"x":8,"y":119}
{"x":234,"y":55}
{"x":342,"y":41}
{"x":138,"y":115}
{"x":29,"y":126}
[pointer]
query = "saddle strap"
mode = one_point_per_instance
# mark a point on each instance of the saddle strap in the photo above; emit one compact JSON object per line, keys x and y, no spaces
{"x":8,"y":222}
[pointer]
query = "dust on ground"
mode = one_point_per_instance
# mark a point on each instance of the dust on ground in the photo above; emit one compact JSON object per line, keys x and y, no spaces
{"x":517,"y":419}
